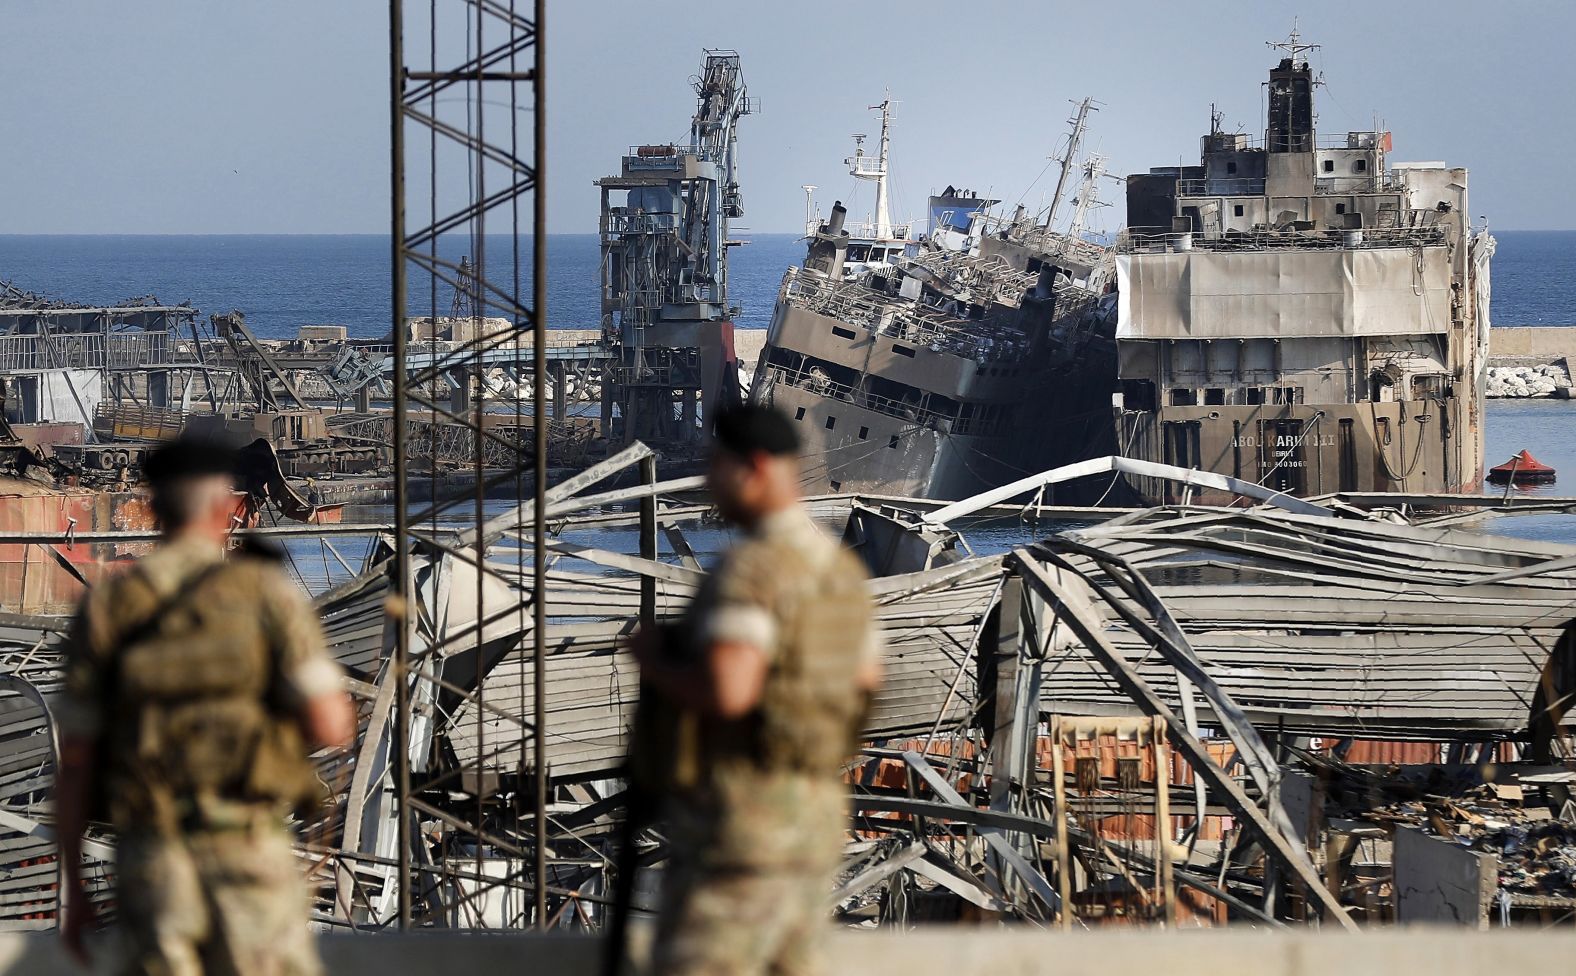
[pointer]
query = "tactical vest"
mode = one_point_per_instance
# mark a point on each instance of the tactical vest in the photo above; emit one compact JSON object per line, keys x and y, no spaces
{"x":192,"y":729}
{"x":811,"y":709}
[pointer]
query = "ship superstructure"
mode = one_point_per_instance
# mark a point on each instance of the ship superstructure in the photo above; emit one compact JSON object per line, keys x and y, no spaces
{"x":876,"y":241}
{"x":1302,"y":311}
{"x":984,"y":354}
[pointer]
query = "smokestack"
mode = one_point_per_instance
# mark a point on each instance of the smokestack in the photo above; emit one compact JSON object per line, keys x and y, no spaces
{"x":834,"y":223}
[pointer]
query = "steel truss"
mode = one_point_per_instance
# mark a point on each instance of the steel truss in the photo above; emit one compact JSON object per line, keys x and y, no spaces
{"x":479,"y":168}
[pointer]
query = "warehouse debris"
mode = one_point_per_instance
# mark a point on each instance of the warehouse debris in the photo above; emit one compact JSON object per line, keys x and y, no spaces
{"x":1138,"y":720}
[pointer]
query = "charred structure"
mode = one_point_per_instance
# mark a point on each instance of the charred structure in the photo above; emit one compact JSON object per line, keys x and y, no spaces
{"x":1303,"y":311}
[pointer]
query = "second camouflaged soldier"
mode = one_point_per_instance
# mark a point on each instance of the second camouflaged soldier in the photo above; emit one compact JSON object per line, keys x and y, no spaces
{"x":196,"y":682}
{"x":770,"y":672}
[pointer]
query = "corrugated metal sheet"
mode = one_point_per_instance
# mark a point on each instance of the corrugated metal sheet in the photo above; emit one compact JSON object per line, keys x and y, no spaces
{"x":1332,"y":626}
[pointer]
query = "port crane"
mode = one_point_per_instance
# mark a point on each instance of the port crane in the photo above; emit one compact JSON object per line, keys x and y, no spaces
{"x":665,"y":237}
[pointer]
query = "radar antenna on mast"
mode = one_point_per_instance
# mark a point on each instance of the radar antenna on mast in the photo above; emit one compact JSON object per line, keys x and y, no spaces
{"x":1293,"y":46}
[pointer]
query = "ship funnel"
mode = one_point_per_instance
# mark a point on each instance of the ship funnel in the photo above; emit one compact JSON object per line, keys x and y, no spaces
{"x":829,"y":247}
{"x":1045,"y":286}
{"x":834,"y":223}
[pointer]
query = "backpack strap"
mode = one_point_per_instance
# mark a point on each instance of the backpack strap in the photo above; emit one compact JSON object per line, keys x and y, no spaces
{"x":146,"y":626}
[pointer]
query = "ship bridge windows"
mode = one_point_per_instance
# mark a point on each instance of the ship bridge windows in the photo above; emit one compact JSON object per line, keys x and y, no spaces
{"x":1215,"y":396}
{"x":1184,"y":396}
{"x":1329,"y":165}
{"x":843,"y":333}
{"x":1359,"y":165}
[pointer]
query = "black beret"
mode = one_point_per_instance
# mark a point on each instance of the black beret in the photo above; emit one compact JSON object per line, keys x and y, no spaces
{"x":189,"y":457}
{"x":749,"y":427}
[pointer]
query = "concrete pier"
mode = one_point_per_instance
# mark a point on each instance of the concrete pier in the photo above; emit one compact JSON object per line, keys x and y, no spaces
{"x":947,"y":950}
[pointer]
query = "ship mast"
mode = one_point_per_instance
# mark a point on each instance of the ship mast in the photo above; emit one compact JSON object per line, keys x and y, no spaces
{"x":1294,"y":46}
{"x":860,"y":166}
{"x":1088,"y":195}
{"x":1080,"y":123}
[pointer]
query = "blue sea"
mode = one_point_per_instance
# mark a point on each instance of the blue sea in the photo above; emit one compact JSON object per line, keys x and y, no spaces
{"x":283,"y":282}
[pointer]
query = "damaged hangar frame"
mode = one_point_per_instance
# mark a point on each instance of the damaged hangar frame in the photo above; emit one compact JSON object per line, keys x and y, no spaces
{"x":1230,"y":631}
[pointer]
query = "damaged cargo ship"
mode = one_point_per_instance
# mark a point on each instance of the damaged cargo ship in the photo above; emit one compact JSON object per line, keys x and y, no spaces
{"x":983,"y":354}
{"x":1302,"y":312}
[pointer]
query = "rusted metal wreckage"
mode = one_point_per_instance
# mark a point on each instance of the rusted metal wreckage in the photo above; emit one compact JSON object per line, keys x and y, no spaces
{"x":1140,"y":719}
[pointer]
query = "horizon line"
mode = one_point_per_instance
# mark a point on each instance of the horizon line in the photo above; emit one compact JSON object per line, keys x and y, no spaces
{"x":551,"y":233}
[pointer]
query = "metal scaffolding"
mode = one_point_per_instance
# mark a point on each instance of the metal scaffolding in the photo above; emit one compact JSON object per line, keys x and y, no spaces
{"x":485,"y":55}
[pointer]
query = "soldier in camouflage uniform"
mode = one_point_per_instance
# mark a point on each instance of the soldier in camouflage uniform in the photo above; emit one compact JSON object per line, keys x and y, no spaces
{"x":196,"y":683}
{"x":770,"y":673}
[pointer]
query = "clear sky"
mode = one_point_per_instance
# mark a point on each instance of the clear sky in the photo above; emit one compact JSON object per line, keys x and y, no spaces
{"x":201,"y":116}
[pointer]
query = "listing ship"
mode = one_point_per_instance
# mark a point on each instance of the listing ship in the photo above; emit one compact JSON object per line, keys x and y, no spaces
{"x":984,"y":354}
{"x":1303,"y":313}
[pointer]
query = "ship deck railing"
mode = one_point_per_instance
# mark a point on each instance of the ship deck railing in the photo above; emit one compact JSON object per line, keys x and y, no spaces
{"x":623,"y":222}
{"x":987,"y":279}
{"x":865,"y":166}
{"x":919,"y":414}
{"x":1046,"y":240}
{"x":866,"y":230}
{"x":663,"y":157}
{"x":904,"y":319}
{"x":1353,"y":139}
{"x":1137,"y":241}
{"x":1244,"y":186}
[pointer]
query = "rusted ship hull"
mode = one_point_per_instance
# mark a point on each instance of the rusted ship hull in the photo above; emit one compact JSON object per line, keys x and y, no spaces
{"x":1303,"y":450}
{"x":37,"y":578}
{"x":49,"y":578}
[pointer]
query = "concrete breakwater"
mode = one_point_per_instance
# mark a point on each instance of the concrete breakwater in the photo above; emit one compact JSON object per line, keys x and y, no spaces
{"x":1530,"y":361}
{"x":1543,"y":380}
